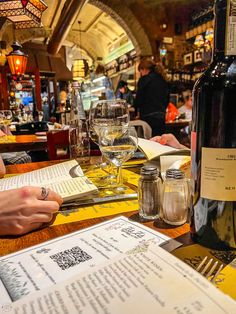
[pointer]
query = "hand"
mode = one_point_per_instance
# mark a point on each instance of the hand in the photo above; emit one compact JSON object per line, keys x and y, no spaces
{"x":23,"y":210}
{"x":168,"y":139}
{"x":2,"y":133}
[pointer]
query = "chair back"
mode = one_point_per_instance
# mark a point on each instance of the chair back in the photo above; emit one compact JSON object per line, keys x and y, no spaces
{"x":58,"y":145}
{"x":143,"y":129}
{"x":31,"y":127}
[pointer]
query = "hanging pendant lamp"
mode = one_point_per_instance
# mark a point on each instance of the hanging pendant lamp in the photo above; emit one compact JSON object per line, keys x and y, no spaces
{"x":80,"y":65}
{"x":23,"y":13}
{"x":17,"y":60}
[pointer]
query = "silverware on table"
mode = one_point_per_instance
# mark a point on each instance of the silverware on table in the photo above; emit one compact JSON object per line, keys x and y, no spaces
{"x":97,"y":200}
{"x":209,"y":268}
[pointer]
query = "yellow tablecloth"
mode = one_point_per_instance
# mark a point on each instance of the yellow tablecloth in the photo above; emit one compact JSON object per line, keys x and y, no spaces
{"x":105,"y":209}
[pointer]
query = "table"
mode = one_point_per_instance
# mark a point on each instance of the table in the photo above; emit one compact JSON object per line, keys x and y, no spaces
{"x":12,"y":244}
{"x":24,"y":143}
{"x":175,"y":128}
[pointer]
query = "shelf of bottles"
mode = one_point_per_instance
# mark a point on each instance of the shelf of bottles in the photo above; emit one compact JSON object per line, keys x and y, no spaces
{"x":21,"y":93}
{"x":200,"y":22}
{"x":121,"y":64}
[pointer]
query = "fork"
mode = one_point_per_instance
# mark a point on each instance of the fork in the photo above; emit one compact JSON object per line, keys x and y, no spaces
{"x":207,"y":267}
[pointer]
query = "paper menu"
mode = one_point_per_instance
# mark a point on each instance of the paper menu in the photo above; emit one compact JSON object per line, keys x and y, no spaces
{"x":144,"y":280}
{"x":43,"y":265}
{"x":66,"y":179}
{"x":154,"y":149}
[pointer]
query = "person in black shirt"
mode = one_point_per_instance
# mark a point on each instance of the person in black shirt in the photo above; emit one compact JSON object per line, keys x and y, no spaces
{"x":152,"y":96}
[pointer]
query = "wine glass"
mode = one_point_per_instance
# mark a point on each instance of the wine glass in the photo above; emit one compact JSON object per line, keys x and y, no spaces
{"x":40,"y":116}
{"x":114,"y":116}
{"x":5,"y":120}
{"x":119,"y":149}
{"x":108,"y":113}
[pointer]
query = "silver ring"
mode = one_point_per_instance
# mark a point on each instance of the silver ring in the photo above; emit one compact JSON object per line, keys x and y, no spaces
{"x":44,"y":193}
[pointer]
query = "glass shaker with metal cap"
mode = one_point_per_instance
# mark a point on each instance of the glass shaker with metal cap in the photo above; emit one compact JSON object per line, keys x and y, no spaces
{"x":175,"y":198}
{"x":149,"y":193}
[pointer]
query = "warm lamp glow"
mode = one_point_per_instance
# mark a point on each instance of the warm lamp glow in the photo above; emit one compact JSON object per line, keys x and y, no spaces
{"x":80,"y":68}
{"x":17,"y":60}
{"x":199,"y":41}
{"x":209,"y":34}
{"x":3,"y":59}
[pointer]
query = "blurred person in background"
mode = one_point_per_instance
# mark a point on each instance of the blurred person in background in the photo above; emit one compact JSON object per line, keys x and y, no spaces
{"x":152,"y":95}
{"x":186,"y":109}
{"x":123,"y":92}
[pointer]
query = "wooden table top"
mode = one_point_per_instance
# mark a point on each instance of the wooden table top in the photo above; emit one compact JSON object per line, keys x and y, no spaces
{"x":13,"y":244}
{"x":24,"y":143}
{"x":178,"y":123}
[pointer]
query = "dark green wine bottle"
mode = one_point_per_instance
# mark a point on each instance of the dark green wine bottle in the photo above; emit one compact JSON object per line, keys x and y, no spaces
{"x":213,"y":143}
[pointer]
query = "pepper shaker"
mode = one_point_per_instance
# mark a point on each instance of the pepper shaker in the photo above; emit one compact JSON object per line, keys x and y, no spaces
{"x":149,"y":193}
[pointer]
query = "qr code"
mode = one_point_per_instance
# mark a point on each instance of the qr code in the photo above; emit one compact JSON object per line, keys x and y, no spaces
{"x":70,"y":258}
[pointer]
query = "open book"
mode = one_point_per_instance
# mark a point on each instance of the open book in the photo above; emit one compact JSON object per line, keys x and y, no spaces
{"x":153,"y":150}
{"x":67,"y":179}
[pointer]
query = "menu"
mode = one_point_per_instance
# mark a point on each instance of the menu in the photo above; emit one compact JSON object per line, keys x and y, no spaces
{"x":44,"y":265}
{"x":145,"y":279}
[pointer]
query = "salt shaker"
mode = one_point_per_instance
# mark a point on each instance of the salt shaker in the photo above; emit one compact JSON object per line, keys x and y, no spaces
{"x":149,"y":193}
{"x":175,"y":198}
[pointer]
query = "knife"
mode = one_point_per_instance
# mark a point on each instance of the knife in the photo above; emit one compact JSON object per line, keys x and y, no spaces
{"x":97,"y":200}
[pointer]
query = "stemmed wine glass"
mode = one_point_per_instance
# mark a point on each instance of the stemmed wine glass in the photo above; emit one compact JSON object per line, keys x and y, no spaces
{"x":119,"y":149}
{"x":111,"y":116}
{"x":108,"y":113}
{"x":5,"y":120}
{"x":40,"y":115}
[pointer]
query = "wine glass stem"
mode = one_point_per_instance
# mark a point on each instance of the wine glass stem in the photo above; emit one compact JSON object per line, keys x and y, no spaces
{"x":119,"y":176}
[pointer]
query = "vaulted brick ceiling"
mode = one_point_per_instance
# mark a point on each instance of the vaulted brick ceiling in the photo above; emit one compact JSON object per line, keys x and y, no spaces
{"x":106,"y":23}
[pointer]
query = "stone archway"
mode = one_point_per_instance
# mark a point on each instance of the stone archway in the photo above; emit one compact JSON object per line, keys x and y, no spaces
{"x":126,"y":19}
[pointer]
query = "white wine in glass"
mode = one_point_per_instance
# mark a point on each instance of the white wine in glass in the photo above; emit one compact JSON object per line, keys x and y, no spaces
{"x":119,"y":150}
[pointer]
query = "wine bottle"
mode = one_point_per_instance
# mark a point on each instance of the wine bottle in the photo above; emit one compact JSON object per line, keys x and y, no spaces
{"x":213,"y":139}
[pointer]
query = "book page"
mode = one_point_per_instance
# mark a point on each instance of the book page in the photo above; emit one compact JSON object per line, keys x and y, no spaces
{"x":70,"y":188}
{"x":46,"y":264}
{"x":153,"y":149}
{"x":42,"y":177}
{"x":142,"y":281}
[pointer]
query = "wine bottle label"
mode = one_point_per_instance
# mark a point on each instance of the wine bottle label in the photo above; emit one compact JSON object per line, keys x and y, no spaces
{"x":218,"y":174}
{"x":230,"y":44}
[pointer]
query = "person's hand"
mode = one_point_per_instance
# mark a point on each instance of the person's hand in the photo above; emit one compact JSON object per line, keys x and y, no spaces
{"x":25,"y":209}
{"x":168,"y":139}
{"x":2,"y":133}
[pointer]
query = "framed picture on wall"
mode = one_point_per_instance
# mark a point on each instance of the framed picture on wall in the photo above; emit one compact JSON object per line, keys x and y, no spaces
{"x":188,"y":58}
{"x":198,"y":55}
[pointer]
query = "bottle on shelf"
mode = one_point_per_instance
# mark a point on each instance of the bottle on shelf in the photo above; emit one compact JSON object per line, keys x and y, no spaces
{"x":213,"y":142}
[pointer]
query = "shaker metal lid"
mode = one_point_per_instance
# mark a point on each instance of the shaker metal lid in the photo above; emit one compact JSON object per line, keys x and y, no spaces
{"x":149,"y":170}
{"x":174,"y":174}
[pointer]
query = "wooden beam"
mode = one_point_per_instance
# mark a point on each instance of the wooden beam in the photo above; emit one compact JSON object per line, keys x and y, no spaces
{"x":66,"y":20}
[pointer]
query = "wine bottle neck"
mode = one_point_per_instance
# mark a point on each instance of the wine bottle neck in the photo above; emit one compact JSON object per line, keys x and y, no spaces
{"x":225,"y":28}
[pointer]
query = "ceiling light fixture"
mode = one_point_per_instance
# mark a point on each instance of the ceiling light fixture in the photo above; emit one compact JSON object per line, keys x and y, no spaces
{"x":23,"y":13}
{"x":80,"y":66}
